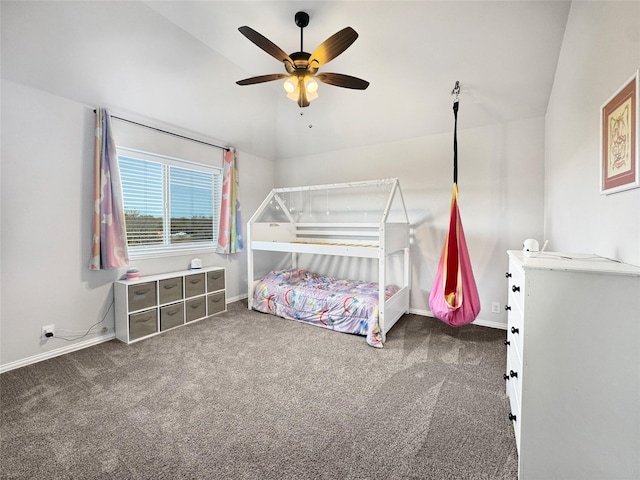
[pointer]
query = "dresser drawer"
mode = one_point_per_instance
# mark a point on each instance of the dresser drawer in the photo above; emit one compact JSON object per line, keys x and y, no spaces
{"x":143,"y":324}
{"x":515,"y":330}
{"x":516,"y":286}
{"x":194,"y":285}
{"x":514,"y":411}
{"x":141,"y":296}
{"x":196,"y":308}
{"x":170,"y":290}
{"x":216,"y":303}
{"x":171,"y":316}
{"x":215,"y":281}
{"x":514,"y":372}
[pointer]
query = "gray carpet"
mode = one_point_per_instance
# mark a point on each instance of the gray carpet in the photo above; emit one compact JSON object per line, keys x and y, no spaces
{"x":246,"y":395}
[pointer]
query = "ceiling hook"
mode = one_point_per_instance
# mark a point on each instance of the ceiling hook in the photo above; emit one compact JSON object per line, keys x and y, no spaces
{"x":456,"y":90}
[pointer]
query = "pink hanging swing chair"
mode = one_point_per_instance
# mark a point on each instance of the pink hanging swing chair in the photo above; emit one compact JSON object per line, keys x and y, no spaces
{"x":454,"y":297}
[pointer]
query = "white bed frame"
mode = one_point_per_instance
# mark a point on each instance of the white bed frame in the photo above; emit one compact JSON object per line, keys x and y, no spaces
{"x":375,"y":240}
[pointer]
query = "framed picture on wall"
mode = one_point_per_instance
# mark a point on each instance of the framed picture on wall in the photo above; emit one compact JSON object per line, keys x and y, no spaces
{"x":619,"y":137}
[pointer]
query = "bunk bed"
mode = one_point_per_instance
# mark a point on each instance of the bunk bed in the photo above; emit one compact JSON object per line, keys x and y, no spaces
{"x":364,"y":225}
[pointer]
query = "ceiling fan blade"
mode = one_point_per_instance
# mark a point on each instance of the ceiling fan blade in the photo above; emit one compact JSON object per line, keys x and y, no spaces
{"x":262,"y":79}
{"x":333,"y":46}
{"x":340,"y":80}
{"x":265,"y":44}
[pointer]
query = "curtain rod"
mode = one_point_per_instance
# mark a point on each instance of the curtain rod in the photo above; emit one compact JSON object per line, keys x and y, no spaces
{"x":169,"y":133}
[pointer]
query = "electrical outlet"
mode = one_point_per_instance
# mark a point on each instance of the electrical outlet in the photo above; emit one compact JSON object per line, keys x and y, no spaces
{"x":104,"y":330}
{"x":495,"y":307}
{"x":48,"y":331}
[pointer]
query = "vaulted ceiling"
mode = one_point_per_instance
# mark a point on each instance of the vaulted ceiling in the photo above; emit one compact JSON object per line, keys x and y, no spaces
{"x":189,"y":55}
{"x":504,"y":54}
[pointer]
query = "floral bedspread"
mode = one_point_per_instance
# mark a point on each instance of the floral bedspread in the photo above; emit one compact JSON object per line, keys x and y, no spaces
{"x":349,"y":306}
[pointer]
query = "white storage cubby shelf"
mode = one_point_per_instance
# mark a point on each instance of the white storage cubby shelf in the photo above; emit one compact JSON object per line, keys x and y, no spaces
{"x":147,"y":306}
{"x":365,"y":219}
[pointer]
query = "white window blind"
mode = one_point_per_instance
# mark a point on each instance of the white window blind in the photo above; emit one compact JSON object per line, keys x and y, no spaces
{"x":171,"y":205}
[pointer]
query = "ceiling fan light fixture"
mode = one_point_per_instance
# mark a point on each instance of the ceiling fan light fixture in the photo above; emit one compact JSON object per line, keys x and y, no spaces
{"x":292,"y":87}
{"x":311,"y":85}
{"x":290,"y":84}
{"x":311,"y":88}
{"x":301,"y":90}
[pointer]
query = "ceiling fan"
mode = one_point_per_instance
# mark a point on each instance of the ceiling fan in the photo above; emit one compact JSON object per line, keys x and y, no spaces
{"x":302,"y":67}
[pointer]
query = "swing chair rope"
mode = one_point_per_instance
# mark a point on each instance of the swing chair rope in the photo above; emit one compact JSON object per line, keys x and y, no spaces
{"x":456,"y":92}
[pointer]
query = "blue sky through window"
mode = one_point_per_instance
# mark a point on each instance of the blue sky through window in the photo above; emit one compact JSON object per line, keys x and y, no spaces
{"x":141,"y":186}
{"x":191,"y":191}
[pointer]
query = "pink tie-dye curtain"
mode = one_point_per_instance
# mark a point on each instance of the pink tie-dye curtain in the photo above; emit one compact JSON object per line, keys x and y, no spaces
{"x":109,"y":244}
{"x":230,"y":229}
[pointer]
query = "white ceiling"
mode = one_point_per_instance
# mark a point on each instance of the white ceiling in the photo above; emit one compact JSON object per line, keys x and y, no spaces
{"x":176,"y":62}
{"x":503,"y":53}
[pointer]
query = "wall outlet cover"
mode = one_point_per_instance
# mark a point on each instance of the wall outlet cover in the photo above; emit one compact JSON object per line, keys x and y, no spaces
{"x":48,"y":331}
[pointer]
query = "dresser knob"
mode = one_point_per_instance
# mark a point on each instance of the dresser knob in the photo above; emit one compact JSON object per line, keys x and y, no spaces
{"x":508,"y":275}
{"x":512,"y":417}
{"x":507,"y":343}
{"x":513,"y":374}
{"x":507,"y":308}
{"x":505,"y":376}
{"x":515,"y":289}
{"x":515,"y":330}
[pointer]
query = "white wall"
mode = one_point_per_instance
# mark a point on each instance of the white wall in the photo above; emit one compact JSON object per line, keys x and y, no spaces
{"x":600,"y":52}
{"x":47,"y":188}
{"x":126,"y":57}
{"x":500,"y":180}
{"x":60,"y":60}
{"x":508,"y":191}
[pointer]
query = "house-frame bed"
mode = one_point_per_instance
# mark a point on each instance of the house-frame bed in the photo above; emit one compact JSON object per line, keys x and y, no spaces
{"x":357,"y":220}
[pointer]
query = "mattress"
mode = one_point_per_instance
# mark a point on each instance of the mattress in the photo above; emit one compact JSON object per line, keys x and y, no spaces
{"x":349,"y":306}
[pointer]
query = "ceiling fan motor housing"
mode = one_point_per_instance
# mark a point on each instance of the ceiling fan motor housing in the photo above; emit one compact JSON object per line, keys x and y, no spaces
{"x":302,"y":19}
{"x":300,"y":64}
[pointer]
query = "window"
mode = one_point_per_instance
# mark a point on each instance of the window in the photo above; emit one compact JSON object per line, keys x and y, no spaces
{"x":170,"y":205}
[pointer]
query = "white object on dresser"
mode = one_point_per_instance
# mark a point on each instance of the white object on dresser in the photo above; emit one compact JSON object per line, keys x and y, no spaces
{"x":573,"y":366}
{"x":150,"y":305}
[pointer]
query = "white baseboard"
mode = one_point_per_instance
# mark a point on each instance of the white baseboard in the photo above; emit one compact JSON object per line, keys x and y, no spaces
{"x":72,"y":348}
{"x":477,"y":321}
{"x":105,"y":338}
{"x":489,"y":323}
{"x":416,"y":311}
{"x":56,"y":353}
{"x":236,"y":298}
{"x":423,"y":313}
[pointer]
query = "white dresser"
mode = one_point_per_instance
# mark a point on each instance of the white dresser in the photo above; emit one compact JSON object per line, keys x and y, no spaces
{"x":573,"y":366}
{"x":149,"y":305}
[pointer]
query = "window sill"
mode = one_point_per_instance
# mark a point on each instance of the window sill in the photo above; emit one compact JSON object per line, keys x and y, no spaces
{"x":191,"y":250}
